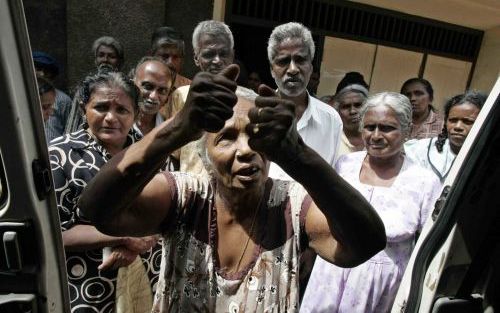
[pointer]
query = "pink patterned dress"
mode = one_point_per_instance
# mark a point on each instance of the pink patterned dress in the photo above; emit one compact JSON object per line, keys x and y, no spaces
{"x":372,"y":286}
{"x":191,"y":279}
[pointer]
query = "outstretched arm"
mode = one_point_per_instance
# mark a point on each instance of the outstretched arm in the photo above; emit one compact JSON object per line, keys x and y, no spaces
{"x":341,"y":225}
{"x":127,"y":196}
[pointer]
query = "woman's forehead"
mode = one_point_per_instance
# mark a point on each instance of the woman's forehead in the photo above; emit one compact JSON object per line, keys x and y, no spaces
{"x":240,"y":111}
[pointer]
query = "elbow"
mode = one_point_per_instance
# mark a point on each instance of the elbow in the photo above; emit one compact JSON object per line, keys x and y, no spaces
{"x":367,"y":247}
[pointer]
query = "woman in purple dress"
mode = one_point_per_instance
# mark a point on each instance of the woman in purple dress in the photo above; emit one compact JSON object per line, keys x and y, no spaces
{"x":401,"y":192}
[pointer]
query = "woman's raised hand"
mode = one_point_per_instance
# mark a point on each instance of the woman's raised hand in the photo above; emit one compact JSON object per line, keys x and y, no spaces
{"x":272,"y":129}
{"x":209,"y":102}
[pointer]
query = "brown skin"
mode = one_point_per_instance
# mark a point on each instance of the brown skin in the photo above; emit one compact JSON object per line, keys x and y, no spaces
{"x":383,"y":140}
{"x":110,"y":115}
{"x":291,"y":69}
{"x":459,"y":123}
{"x":154,"y":80}
{"x":420,"y":100}
{"x":108,"y":55}
{"x":348,"y":107}
{"x":346,"y":233}
{"x":47,"y":101}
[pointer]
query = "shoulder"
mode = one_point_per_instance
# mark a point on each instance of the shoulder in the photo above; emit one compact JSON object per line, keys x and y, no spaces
{"x":347,"y":160}
{"x":181,"y":81}
{"x":417,"y":172}
{"x":78,"y":139}
{"x":323,"y":108}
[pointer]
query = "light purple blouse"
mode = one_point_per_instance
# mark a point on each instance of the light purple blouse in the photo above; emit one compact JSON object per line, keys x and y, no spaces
{"x":404,"y":208}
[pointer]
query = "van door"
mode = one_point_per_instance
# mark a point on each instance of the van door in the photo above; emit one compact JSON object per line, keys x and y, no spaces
{"x":32,"y":272}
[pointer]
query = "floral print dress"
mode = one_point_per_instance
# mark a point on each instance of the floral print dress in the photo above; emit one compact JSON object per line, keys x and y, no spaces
{"x":190,"y":278}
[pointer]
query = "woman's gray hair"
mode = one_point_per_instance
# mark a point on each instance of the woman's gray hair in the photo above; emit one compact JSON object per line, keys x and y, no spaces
{"x":288,"y":31}
{"x":110,"y":42}
{"x":212,"y":28}
{"x":201,"y":144}
{"x":396,"y":101}
{"x":360,"y":90}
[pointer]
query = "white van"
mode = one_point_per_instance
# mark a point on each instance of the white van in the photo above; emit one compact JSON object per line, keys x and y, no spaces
{"x":32,"y":267}
{"x":455,"y":266}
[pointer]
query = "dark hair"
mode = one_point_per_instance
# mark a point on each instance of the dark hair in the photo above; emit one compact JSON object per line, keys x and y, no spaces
{"x":44,"y":85}
{"x":427,"y":85}
{"x":166,"y":35}
{"x":473,"y":97}
{"x":108,"y":79}
{"x":351,"y":78}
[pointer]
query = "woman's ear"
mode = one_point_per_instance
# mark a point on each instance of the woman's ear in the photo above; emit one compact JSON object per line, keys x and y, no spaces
{"x":196,"y":62}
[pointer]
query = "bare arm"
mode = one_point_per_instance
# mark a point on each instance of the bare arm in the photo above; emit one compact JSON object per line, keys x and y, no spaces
{"x":136,"y":199}
{"x":341,"y":225}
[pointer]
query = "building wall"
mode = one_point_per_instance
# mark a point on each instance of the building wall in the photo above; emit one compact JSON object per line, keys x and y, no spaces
{"x":184,"y":16}
{"x":46,"y":20}
{"x":488,"y":63}
{"x":67,"y":29}
{"x":129,"y":21}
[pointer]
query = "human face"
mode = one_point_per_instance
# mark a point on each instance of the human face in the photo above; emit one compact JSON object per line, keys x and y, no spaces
{"x":172,"y":56}
{"x":47,"y":102}
{"x":236,"y":165}
{"x":291,"y":67}
{"x":253,"y":81}
{"x":110,"y":115}
{"x":459,"y":123}
{"x":348,"y":107}
{"x":419,"y":98}
{"x":154,"y":81}
{"x":215,"y":54}
{"x":381,"y":132}
{"x":108,"y":55}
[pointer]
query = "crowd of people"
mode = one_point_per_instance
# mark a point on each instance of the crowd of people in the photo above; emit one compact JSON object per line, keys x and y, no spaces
{"x":189,"y":195}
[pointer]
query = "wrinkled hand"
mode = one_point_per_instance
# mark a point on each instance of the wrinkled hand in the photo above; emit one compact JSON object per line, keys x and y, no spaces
{"x":140,"y":244}
{"x":119,"y":257}
{"x":209,"y":102}
{"x":272,"y":129}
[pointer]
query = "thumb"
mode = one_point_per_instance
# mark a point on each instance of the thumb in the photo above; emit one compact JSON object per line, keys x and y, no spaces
{"x":266,"y":91}
{"x":231,"y":72}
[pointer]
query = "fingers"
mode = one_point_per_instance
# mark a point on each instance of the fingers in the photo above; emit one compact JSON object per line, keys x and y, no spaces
{"x":266,"y":91}
{"x":231,"y":72}
{"x":120,"y":257}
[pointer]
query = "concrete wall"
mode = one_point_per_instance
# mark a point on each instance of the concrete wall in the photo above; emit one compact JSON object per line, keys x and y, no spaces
{"x":488,"y":63}
{"x":184,"y":16}
{"x":129,"y":21}
{"x":46,"y":21}
{"x":67,"y":29}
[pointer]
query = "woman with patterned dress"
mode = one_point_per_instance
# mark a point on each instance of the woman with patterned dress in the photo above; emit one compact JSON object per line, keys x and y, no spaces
{"x":109,"y":101}
{"x":232,"y":239}
{"x":401,"y":192}
{"x":438,"y":154}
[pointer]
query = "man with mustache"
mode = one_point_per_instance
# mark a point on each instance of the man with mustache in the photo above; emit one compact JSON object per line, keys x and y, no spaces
{"x":213,"y":46}
{"x":290,"y":52}
{"x":154,"y":79}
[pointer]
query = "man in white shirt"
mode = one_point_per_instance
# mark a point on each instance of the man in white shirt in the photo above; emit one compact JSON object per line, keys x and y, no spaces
{"x":290,"y":52}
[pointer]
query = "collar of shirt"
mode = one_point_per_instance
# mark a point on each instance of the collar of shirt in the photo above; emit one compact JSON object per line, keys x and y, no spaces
{"x":310,"y":114}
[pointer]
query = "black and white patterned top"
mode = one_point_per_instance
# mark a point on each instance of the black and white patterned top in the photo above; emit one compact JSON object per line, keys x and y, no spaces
{"x":75,"y":159}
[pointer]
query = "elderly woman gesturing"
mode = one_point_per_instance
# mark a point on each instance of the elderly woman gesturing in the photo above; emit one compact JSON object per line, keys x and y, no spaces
{"x":232,"y":241}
